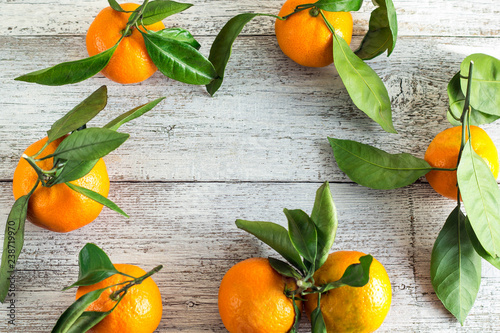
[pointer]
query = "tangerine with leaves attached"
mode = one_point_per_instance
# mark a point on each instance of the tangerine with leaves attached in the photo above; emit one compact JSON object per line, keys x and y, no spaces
{"x":304,"y":36}
{"x":351,"y":309}
{"x":443,"y":153}
{"x":58,"y":208}
{"x":130,"y":62}
{"x":139,"y":311}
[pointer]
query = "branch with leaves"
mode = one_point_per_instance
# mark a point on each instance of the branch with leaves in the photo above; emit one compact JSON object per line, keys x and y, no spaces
{"x":366,"y":89}
{"x":75,"y":157}
{"x":173,"y":50}
{"x":474,"y":99}
{"x":95,"y":266}
{"x":305,"y":246}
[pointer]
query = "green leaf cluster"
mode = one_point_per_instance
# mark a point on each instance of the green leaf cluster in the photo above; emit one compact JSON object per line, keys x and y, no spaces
{"x":305,"y":247}
{"x":95,"y":266}
{"x":455,"y":265}
{"x":366,"y":89}
{"x":173,"y":50}
{"x":75,"y":157}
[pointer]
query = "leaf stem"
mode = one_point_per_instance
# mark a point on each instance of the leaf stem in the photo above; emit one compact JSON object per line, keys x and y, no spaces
{"x":297,"y":9}
{"x":117,"y":294}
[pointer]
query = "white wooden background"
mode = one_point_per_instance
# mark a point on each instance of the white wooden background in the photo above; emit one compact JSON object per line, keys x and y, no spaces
{"x":195,"y":164}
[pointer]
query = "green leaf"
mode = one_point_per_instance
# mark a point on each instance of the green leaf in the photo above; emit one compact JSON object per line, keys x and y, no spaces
{"x":97,"y":197}
{"x":283,"y":268}
{"x":485,"y":89}
{"x":73,"y":170}
{"x":276,"y":237}
{"x":324,"y":216}
{"x":178,"y":60}
{"x":72,"y":314}
{"x":366,"y":89}
{"x":70,"y":72}
{"x":79,"y":115}
{"x":298,"y":312}
{"x":95,"y":266}
{"x":302,"y":232}
{"x":317,"y":321}
{"x":89,"y":144}
{"x":481,"y":197}
{"x":132,"y":114}
{"x":355,"y":275}
{"x":455,"y":267}
{"x":87,"y":320}
{"x":158,"y":10}
{"x":382,"y":32}
{"x":13,"y":242}
{"x":478,"y":247}
{"x":223,"y":44}
{"x":116,"y":6}
{"x":457,"y":101}
{"x":374,"y":168}
{"x":181,"y":35}
{"x":339,"y":5}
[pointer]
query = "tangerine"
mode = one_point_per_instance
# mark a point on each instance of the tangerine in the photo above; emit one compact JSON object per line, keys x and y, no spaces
{"x":351,"y":309}
{"x":139,"y":311}
{"x":252,"y":298}
{"x":130,"y":62}
{"x":443,"y":153}
{"x":304,"y":36}
{"x":59,"y":208}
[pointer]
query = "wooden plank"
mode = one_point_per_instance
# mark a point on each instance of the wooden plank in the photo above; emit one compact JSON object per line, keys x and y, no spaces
{"x":190,"y":229}
{"x":415,"y":18}
{"x":269,"y":121}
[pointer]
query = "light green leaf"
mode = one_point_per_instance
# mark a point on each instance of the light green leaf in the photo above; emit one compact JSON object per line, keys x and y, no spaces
{"x":97,"y":197}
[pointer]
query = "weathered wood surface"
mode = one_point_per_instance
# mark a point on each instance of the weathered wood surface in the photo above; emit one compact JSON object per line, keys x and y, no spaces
{"x":195,"y":164}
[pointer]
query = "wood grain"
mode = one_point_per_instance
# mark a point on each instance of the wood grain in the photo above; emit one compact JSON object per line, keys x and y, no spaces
{"x":194,"y":164}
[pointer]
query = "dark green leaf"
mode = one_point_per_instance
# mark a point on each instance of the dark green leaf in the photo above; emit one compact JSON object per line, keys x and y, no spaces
{"x":355,"y":275}
{"x":276,"y":237}
{"x":89,"y":144}
{"x":339,"y":5}
{"x":317,"y":321}
{"x":74,"y":170}
{"x":116,"y":6}
{"x":283,"y":268}
{"x":80,"y":114}
{"x":158,"y":10}
{"x":132,"y":114}
{"x":455,"y":267}
{"x":97,"y":197}
{"x":372,"y":167}
{"x":70,"y":72}
{"x":181,"y":35}
{"x":73,"y":313}
{"x":478,"y":247}
{"x":324,"y":216}
{"x":178,"y":60}
{"x":95,"y":266}
{"x":222,"y":46}
{"x":366,"y":89}
{"x":87,"y":320}
{"x":302,"y":232}
{"x":457,"y":101}
{"x":382,"y":32}
{"x":481,"y":197}
{"x":485,"y":89}
{"x":298,"y":312}
{"x":13,"y":242}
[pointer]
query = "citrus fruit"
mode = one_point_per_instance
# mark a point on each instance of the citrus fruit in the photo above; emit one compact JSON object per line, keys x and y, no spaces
{"x":139,"y":311}
{"x":304,"y":36}
{"x":351,"y":309}
{"x":59,"y":208}
{"x":252,"y":299}
{"x":443,"y":153}
{"x":130,"y":62}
